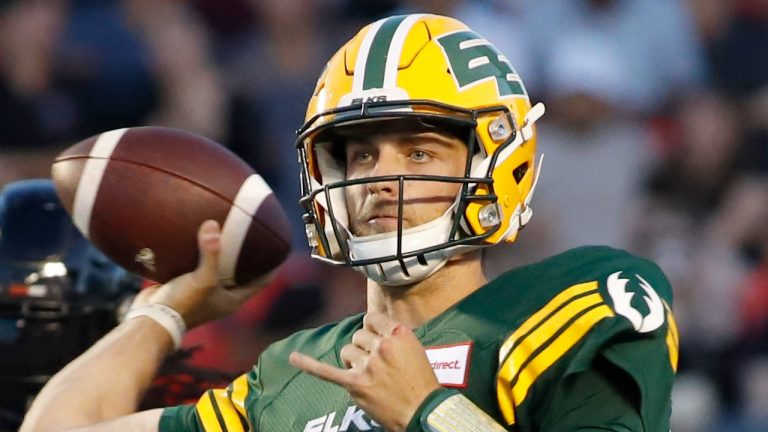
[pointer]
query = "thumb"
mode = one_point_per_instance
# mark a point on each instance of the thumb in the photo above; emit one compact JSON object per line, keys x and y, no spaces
{"x":209,"y":244}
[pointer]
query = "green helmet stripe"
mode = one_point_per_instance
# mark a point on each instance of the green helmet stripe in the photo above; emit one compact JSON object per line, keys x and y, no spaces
{"x":377,"y":55}
{"x":362,"y":56}
{"x":396,"y":49}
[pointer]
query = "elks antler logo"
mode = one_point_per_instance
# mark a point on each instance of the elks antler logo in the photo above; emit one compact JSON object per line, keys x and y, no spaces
{"x":622,"y":303}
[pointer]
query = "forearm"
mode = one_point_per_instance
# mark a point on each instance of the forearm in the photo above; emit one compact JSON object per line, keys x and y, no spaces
{"x":105,"y":382}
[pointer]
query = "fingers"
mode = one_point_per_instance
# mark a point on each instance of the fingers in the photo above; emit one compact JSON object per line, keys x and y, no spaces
{"x":209,"y":237}
{"x":380,"y":324}
{"x":319,"y":369}
{"x":353,"y":356}
{"x":365,"y":340}
{"x":209,"y":244}
{"x":384,"y":335}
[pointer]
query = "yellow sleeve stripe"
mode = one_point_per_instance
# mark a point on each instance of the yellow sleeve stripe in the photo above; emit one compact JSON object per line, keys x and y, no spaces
{"x":561,"y":345}
{"x":207,"y":414}
{"x":232,"y":420}
{"x":543,"y":339}
{"x":673,"y":338}
{"x":525,"y":348}
{"x":238,"y":392}
{"x":542,"y":314}
{"x":217,"y":414}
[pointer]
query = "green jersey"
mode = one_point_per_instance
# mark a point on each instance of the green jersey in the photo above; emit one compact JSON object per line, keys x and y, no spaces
{"x":583,"y":340}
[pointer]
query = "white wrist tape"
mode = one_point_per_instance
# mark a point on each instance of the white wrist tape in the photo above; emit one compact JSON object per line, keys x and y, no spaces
{"x":457,"y":413}
{"x":171,"y":320}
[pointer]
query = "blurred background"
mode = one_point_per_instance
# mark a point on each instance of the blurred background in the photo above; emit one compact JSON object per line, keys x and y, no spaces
{"x":656,"y":141}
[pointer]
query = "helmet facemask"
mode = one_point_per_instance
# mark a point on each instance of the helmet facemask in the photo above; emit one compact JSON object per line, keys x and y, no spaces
{"x":406,"y":254}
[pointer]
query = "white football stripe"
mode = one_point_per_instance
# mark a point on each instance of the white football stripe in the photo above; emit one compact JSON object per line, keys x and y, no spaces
{"x":90,"y":181}
{"x":249,"y":198}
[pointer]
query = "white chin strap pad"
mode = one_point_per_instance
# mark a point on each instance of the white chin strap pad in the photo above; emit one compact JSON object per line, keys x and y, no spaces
{"x":420,"y":237}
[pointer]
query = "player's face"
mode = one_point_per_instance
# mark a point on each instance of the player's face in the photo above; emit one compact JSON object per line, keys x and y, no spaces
{"x":373,"y":207}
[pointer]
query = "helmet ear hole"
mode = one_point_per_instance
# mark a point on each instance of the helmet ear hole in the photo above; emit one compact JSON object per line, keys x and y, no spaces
{"x":519,"y":172}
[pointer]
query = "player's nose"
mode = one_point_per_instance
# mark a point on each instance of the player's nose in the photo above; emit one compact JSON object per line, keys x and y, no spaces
{"x":388,"y":163}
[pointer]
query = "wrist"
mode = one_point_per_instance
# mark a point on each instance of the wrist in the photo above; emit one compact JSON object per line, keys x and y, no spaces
{"x":165,"y":316}
{"x":432,"y":400}
{"x":448,"y":409}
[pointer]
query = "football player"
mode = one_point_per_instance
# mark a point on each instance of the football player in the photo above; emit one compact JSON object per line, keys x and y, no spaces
{"x":58,"y":294}
{"x":419,"y":150}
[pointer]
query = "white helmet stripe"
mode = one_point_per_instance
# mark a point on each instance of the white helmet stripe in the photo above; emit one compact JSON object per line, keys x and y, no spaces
{"x":396,"y":50}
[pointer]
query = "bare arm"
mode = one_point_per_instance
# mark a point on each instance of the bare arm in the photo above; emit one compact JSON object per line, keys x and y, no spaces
{"x":99,"y":389}
{"x":104,"y":383}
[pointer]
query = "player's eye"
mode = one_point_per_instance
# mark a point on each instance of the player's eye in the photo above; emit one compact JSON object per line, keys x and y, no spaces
{"x":361,"y":157}
{"x":419,"y":156}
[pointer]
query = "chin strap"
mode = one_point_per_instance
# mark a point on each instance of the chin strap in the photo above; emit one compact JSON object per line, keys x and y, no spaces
{"x":408,"y":270}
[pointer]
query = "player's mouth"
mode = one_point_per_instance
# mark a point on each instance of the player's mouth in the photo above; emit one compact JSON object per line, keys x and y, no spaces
{"x":382,"y":217}
{"x":386,"y":221}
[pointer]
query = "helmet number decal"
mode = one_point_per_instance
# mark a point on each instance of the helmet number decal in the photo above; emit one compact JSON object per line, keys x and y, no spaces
{"x":473,"y":60}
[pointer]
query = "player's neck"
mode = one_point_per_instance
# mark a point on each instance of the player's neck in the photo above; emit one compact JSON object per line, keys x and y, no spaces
{"x":416,"y":304}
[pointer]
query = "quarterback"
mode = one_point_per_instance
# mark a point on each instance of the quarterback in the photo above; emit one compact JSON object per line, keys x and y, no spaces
{"x":419,"y":150}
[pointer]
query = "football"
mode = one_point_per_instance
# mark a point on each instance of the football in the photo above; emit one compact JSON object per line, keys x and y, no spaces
{"x":140,"y":195}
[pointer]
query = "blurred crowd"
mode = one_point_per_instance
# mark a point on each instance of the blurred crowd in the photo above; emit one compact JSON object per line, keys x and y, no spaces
{"x":655,"y":141}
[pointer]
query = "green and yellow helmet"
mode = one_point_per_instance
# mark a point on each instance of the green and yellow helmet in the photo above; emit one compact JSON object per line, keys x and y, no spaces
{"x":436,"y":70}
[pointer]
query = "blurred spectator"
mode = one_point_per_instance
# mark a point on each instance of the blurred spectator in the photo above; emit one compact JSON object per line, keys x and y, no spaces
{"x":755,"y":380}
{"x":228,"y":20}
{"x":107,"y":67}
{"x":74,"y":68}
{"x":677,"y":220}
{"x":34,"y":106}
{"x":54,"y":82}
{"x":738,"y":229}
{"x":694,"y":404}
{"x":637,"y":55}
{"x":272,"y":71}
{"x":603,"y":74}
{"x":29,"y":32}
{"x":752,"y":414}
{"x":739,"y":55}
{"x":191,"y":95}
{"x":438,"y":7}
{"x":704,"y":222}
{"x":740,"y":66}
{"x":502,"y":22}
{"x":754,"y":304}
